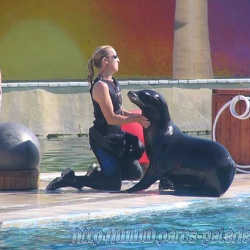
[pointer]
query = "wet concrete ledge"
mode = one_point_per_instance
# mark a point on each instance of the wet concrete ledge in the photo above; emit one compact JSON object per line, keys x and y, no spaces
{"x":25,"y":208}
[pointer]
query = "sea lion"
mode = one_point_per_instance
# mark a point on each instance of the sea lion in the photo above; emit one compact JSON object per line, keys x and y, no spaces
{"x":181,"y":162}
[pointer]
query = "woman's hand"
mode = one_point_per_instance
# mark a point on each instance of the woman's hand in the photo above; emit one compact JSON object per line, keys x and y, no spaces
{"x":144,"y":121}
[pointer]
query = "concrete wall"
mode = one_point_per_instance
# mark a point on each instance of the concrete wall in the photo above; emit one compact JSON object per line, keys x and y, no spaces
{"x":66,"y":108}
{"x":48,"y":110}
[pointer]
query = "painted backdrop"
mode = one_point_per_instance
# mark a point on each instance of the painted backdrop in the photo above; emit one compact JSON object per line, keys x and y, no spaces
{"x":229,"y":32}
{"x":155,"y":39}
{"x":53,"y":39}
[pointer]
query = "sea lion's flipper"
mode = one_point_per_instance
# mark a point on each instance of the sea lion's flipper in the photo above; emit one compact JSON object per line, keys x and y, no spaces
{"x":143,"y":184}
{"x":165,"y":184}
{"x":153,"y":174}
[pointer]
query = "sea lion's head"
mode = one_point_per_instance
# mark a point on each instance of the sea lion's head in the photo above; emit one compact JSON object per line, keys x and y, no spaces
{"x":152,"y":104}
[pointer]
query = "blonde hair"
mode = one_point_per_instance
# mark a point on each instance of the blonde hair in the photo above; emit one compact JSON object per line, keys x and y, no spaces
{"x":96,"y":60}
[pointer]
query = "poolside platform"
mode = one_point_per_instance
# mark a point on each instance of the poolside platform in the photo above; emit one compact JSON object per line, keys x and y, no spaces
{"x":20,"y":208}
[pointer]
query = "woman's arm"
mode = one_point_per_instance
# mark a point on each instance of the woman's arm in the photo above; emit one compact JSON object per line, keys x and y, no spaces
{"x":130,"y":114}
{"x":102,"y":97}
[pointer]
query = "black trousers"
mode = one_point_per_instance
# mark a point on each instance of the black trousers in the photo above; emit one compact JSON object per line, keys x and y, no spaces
{"x":118,"y":155}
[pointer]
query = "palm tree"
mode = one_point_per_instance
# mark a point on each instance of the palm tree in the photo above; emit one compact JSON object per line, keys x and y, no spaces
{"x":191,"y":56}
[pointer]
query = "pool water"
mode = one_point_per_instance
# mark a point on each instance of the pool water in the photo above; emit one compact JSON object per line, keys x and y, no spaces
{"x":70,"y":151}
{"x":207,"y":224}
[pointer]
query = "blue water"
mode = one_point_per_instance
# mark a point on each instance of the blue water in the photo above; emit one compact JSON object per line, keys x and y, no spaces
{"x":207,"y":224}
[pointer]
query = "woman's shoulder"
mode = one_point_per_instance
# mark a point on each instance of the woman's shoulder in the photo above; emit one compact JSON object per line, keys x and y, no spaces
{"x":101,"y":84}
{"x":99,"y":88}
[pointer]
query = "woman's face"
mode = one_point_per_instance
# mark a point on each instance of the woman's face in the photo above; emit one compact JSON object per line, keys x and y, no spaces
{"x":113,"y":60}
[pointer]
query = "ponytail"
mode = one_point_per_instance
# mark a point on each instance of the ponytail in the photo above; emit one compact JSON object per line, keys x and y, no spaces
{"x":90,"y":70}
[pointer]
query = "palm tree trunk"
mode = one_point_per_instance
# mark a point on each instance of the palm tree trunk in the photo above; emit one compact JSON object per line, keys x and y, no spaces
{"x":191,"y":56}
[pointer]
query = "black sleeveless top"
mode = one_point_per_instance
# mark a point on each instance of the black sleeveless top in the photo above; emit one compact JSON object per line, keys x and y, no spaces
{"x":100,"y":122}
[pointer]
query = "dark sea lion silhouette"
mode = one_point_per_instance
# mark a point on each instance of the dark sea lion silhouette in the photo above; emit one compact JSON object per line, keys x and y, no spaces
{"x":181,"y":162}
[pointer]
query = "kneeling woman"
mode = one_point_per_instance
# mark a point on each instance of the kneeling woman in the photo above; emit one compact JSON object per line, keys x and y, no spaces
{"x":117,"y":151}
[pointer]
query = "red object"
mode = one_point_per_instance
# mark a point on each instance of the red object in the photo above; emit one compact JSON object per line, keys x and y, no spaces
{"x":136,"y":129}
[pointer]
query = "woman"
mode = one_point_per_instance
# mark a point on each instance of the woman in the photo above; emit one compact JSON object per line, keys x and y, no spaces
{"x":116,"y":151}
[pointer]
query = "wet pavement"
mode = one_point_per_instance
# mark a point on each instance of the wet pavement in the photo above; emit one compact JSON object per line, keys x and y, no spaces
{"x":39,"y":206}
